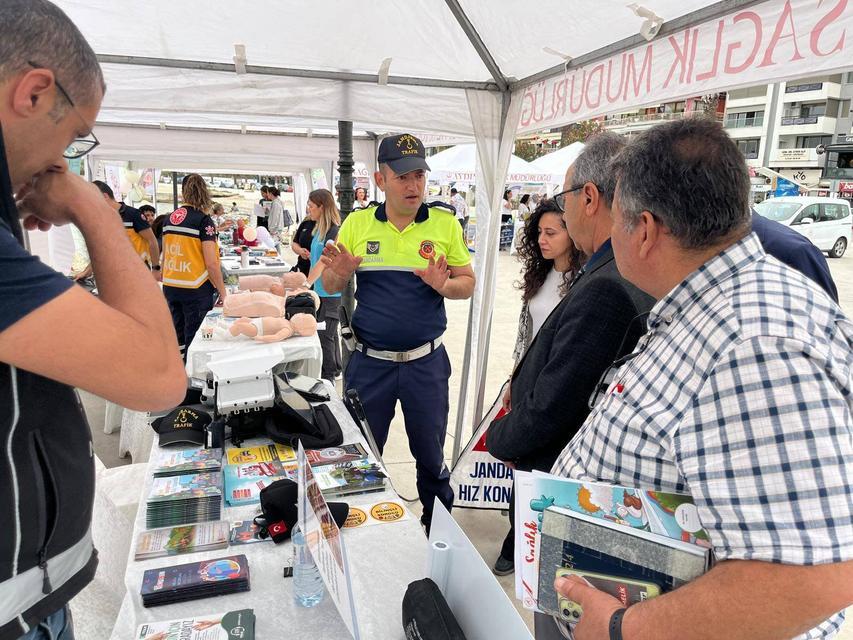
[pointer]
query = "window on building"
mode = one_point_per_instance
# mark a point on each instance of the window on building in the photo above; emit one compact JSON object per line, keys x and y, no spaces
{"x":849,"y":78}
{"x":807,"y":110}
{"x":749,"y":147}
{"x":810,"y":142}
{"x":745,"y":119}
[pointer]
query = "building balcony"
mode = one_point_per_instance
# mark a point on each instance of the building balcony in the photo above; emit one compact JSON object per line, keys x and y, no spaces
{"x":641,"y":121}
{"x":811,"y":92}
{"x":753,"y":101}
{"x":738,"y":133}
{"x":807,"y":125}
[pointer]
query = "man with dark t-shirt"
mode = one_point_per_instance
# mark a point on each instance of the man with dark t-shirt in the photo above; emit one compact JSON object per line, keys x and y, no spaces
{"x":55,"y":336}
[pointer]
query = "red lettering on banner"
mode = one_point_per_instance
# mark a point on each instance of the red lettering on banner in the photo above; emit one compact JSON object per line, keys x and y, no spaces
{"x":600,"y":69}
{"x":572,"y":107}
{"x":756,"y":21}
{"x":540,"y":102}
{"x":612,"y":99}
{"x":825,"y":22}
{"x":717,"y":46}
{"x":680,"y":58}
{"x":692,"y":56}
{"x":787,"y":14}
{"x":631,"y":78}
{"x":528,"y":101}
{"x":559,"y":106}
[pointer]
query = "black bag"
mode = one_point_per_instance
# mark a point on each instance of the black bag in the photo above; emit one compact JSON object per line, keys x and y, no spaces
{"x":426,"y":615}
{"x":287,"y":426}
{"x":300,"y":303}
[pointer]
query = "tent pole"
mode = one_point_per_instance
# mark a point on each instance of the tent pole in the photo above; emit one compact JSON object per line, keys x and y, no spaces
{"x":175,"y":189}
{"x":463,"y":386}
{"x":345,"y":167}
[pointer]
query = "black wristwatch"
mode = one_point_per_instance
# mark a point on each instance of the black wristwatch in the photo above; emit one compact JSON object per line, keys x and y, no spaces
{"x":616,"y":624}
{"x":156,"y":267}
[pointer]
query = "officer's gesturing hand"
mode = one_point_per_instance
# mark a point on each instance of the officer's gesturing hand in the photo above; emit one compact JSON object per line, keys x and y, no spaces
{"x":436,"y":274}
{"x":339,"y":261}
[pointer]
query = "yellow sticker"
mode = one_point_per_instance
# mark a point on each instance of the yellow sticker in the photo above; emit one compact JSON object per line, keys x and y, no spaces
{"x":356,"y":518}
{"x":387,"y":511}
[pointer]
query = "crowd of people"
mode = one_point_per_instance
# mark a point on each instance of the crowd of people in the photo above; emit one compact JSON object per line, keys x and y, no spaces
{"x":661,"y":344}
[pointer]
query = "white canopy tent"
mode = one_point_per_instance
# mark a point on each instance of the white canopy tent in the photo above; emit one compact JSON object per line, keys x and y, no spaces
{"x":555,"y":164}
{"x":453,"y":67}
{"x":459,"y":163}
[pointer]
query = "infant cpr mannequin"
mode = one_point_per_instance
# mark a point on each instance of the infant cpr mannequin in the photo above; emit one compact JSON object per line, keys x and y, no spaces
{"x":276,"y":285}
{"x":274,"y":329}
{"x":253,"y":304}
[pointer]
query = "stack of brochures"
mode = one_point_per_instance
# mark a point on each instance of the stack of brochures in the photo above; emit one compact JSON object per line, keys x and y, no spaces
{"x":195,"y":580}
{"x":184,"y":499}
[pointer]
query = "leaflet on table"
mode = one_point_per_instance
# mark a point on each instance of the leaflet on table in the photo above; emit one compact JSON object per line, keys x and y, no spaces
{"x":195,"y":580}
{"x":172,"y":463}
{"x":244,"y":482}
{"x":331,"y":455}
{"x":186,"y":487}
{"x":245,"y":532}
{"x":671,"y":516}
{"x":347,"y":478}
{"x":262,"y":453}
{"x":325,"y":544}
{"x":385,"y":512}
{"x":182,"y":539}
{"x":234,"y":625}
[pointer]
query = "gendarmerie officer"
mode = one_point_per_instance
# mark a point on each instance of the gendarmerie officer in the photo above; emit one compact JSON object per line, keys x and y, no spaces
{"x":409,"y":257}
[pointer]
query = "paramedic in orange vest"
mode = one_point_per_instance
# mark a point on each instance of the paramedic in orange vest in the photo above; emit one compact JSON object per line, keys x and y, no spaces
{"x":137,"y":227}
{"x":191,"y":274}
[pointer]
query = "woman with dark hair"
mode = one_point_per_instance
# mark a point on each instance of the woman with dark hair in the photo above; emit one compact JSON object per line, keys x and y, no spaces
{"x":327,"y":221}
{"x":550,"y":262}
{"x":191,"y":273}
{"x":524,"y":208}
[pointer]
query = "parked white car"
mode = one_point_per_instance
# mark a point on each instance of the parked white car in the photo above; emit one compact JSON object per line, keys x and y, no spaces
{"x":824,"y":221}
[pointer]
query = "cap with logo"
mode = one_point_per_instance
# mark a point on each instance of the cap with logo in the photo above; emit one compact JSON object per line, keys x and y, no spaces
{"x":403,"y":153}
{"x":182,"y":425}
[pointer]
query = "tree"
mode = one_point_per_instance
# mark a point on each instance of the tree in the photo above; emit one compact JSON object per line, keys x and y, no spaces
{"x":526,"y":150}
{"x":579,"y":132}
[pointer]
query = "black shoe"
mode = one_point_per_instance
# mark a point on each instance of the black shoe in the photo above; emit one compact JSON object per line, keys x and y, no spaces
{"x":503,"y":567}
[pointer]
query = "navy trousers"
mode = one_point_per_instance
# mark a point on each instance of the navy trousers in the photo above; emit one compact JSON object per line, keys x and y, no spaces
{"x":421,"y":386}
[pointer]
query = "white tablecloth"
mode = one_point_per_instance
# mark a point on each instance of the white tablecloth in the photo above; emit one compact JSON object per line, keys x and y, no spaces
{"x":383,"y":560}
{"x":267,"y":266}
{"x":304,"y":352}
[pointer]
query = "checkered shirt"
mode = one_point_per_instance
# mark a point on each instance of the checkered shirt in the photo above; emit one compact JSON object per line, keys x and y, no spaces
{"x":741,"y":397}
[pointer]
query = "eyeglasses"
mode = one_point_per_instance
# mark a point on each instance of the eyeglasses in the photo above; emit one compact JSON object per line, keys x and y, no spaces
{"x":79,"y":147}
{"x":560,"y":198}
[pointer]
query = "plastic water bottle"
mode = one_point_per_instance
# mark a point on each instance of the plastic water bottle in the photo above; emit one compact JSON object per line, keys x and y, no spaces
{"x":308,"y":587}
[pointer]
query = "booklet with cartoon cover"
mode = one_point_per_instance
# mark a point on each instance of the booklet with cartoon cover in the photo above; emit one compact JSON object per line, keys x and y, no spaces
{"x":261,"y":453}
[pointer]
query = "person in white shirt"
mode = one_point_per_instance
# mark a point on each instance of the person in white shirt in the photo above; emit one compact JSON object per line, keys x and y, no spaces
{"x":524,"y":207}
{"x":458,"y":202}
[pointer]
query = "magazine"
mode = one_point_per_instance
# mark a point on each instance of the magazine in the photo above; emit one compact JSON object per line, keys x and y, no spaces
{"x":243,"y":482}
{"x":245,"y":532}
{"x":665,"y":516}
{"x":347,"y":478}
{"x":182,"y":539}
{"x":331,"y":455}
{"x":262,"y":453}
{"x":216,"y":626}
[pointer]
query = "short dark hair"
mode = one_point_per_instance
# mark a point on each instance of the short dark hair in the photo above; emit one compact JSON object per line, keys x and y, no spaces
{"x":147,"y":207}
{"x":264,"y":188}
{"x":453,"y":191}
{"x":525,"y":198}
{"x":38,"y":31}
{"x":593,"y":164}
{"x":690,"y":175}
{"x":104,"y":188}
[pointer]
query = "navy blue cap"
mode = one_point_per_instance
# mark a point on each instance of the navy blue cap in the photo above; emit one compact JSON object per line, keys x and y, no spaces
{"x":403,"y":153}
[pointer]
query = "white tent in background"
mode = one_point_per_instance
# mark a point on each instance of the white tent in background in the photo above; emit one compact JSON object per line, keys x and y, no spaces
{"x":556,"y":163}
{"x":459,"y":164}
{"x":458,"y":67}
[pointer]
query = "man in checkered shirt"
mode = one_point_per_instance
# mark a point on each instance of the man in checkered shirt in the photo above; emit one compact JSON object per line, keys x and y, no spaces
{"x":739,"y":394}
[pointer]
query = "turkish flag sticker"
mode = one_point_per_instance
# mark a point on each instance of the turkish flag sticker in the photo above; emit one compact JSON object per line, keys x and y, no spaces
{"x":277,"y":528}
{"x":178,"y":216}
